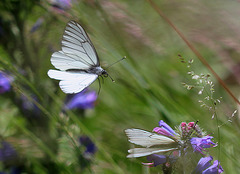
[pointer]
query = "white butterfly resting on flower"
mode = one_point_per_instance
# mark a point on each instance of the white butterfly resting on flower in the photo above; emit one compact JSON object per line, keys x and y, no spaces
{"x":78,"y":61}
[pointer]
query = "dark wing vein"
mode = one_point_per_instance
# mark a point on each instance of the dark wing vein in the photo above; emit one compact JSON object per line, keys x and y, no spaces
{"x":87,"y":39}
{"x":79,"y":58}
{"x":72,"y":42}
{"x":70,"y":56}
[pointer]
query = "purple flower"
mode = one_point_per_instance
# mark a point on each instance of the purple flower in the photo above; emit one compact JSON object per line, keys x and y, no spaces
{"x":61,"y":4}
{"x":37,"y":24}
{"x":164,"y":129}
{"x":82,"y":100}
{"x":160,"y":159}
{"x":161,"y":131}
{"x":5,"y":82}
{"x":203,"y":163}
{"x":29,"y":107}
{"x":87,"y":149}
{"x":89,"y":145}
{"x":157,"y":159}
{"x":199,"y":144}
{"x":204,"y":166}
{"x":7,"y":152}
{"x":214,"y":169}
{"x":14,"y":170}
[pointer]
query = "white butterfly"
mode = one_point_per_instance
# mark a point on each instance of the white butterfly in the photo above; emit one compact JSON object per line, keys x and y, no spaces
{"x":152,"y":143}
{"x":78,"y":61}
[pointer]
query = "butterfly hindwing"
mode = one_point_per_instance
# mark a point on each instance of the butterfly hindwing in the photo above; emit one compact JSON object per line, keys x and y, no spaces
{"x":140,"y":152}
{"x":71,"y":82}
{"x":63,"y":61}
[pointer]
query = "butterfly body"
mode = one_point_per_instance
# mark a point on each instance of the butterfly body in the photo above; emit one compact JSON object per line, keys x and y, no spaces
{"x":78,"y":62}
{"x":93,"y":70}
{"x":97,"y":70}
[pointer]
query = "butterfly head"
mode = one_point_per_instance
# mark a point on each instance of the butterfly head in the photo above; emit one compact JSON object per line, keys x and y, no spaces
{"x":104,"y":73}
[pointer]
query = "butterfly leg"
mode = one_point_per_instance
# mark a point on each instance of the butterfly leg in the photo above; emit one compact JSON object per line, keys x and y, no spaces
{"x":99,"y":84}
{"x":102,"y":79}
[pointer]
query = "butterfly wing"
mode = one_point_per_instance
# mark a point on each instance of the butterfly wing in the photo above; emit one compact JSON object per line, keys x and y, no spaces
{"x":63,"y":61}
{"x":71,"y":82}
{"x":140,"y":152}
{"x":148,"y":139}
{"x":77,"y":45}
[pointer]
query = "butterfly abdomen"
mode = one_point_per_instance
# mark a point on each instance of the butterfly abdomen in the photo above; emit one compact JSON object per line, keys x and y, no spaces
{"x":97,"y":70}
{"x":93,"y":70}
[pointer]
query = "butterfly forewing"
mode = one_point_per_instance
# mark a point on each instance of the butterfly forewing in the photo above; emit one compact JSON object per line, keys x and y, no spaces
{"x":147,"y":139}
{"x":63,"y":61}
{"x":76,"y":41}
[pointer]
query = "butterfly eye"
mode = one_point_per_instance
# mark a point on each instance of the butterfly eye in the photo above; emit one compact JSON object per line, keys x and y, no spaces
{"x":104,"y":73}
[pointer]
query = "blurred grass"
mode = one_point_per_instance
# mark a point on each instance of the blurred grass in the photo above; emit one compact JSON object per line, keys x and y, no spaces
{"x":148,"y":83}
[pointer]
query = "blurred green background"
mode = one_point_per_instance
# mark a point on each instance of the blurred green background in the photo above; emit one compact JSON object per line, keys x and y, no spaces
{"x":148,"y":85}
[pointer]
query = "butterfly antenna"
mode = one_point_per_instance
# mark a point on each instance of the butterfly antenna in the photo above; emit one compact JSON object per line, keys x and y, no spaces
{"x":115,"y":63}
{"x":111,"y":78}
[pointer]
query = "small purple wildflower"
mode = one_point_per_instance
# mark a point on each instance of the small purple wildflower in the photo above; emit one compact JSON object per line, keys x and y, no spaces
{"x":29,"y":107}
{"x":14,"y":170}
{"x":214,"y":169}
{"x":89,"y":145}
{"x":203,"y":163}
{"x":204,"y":166}
{"x":160,"y":159}
{"x":37,"y":24}
{"x":88,"y":149}
{"x":164,"y":129}
{"x":82,"y":100}
{"x":7,"y":152}
{"x":61,"y":4}
{"x":157,"y":159}
{"x":199,"y":144}
{"x":165,"y":126}
{"x":5,"y":82}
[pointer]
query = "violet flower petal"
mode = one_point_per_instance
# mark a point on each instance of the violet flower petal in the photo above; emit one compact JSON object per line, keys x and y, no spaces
{"x":62,"y":4}
{"x":82,"y":100}
{"x":162,"y":131}
{"x":157,"y":159}
{"x":89,"y":145}
{"x":214,"y":169}
{"x":203,"y":163}
{"x":5,"y":82}
{"x":199,"y":143}
{"x":7,"y":152}
{"x":167,"y":127}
